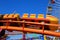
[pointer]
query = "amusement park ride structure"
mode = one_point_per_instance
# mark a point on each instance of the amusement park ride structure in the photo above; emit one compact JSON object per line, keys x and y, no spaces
{"x":31,"y":24}
{"x":38,"y":25}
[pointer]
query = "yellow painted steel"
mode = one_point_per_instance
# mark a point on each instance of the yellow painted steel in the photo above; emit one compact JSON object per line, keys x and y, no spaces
{"x":40,"y":16}
{"x":53,"y":20}
{"x":11,"y":16}
{"x":16,"y":16}
{"x":25,"y":16}
{"x":6,"y":16}
{"x":32,"y":15}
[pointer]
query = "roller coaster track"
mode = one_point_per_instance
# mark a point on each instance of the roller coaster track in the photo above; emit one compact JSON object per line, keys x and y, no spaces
{"x":30,"y":30}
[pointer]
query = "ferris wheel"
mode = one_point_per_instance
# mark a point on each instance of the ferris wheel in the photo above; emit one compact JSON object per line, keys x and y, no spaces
{"x":54,"y":9}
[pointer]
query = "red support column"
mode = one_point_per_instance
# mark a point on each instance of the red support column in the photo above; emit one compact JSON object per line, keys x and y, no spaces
{"x":43,"y":29}
{"x":23,"y":31}
{"x":7,"y":24}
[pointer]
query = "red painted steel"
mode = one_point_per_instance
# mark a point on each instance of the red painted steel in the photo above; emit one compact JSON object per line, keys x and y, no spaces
{"x":23,"y":31}
{"x":52,"y":33}
{"x":36,"y":23}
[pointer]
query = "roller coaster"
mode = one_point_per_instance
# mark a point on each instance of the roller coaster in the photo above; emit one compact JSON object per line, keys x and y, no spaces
{"x":29,"y":24}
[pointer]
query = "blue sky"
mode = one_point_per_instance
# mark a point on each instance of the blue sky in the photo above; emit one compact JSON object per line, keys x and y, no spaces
{"x":23,"y":6}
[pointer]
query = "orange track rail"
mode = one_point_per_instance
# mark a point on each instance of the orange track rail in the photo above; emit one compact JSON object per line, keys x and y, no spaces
{"x":31,"y":30}
{"x":23,"y":29}
{"x":36,"y":23}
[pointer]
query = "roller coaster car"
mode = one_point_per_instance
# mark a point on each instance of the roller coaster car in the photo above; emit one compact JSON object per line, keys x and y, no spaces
{"x":12,"y":17}
{"x":32,"y":18}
